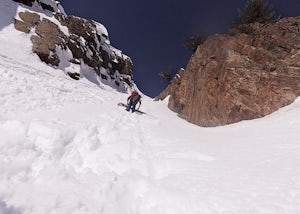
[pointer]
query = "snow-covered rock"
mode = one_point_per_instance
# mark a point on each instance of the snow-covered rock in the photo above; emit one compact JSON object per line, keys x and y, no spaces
{"x":50,"y":5}
{"x":73,"y":44}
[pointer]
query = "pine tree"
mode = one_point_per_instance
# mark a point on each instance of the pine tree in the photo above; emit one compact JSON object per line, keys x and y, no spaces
{"x":193,"y":42}
{"x":166,"y":75}
{"x":257,"y":11}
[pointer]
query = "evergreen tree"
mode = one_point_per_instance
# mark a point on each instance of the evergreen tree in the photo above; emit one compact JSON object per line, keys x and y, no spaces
{"x":166,"y":75}
{"x":193,"y":42}
{"x":257,"y":11}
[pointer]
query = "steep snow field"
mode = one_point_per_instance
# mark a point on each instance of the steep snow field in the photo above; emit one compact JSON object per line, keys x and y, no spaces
{"x":66,"y":147}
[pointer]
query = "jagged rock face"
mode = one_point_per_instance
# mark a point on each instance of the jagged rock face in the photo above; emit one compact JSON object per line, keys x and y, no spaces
{"x":50,"y":5}
{"x":86,"y":40}
{"x":172,"y":88}
{"x":84,"y":30}
{"x":249,"y":73}
{"x":26,"y":2}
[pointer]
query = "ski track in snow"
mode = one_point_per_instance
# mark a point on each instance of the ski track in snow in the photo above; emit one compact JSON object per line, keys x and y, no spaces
{"x":41,"y":82}
{"x":66,"y":147}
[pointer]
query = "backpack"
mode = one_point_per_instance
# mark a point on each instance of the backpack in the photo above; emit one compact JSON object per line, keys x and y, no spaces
{"x":133,"y":95}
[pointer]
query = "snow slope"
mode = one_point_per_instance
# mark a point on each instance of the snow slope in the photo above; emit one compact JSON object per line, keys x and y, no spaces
{"x":66,"y":147}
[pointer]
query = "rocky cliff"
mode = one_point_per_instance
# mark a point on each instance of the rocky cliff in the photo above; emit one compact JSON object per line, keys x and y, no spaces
{"x":50,"y":5}
{"x":78,"y":46}
{"x":248,"y":73}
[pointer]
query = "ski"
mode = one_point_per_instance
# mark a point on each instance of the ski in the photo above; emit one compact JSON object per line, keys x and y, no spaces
{"x":125,"y":105}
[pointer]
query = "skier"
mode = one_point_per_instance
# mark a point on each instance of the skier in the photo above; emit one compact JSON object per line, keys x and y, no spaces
{"x":132,"y":100}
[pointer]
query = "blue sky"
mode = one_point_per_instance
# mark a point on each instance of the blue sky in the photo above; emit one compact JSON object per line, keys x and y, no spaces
{"x":153,"y":32}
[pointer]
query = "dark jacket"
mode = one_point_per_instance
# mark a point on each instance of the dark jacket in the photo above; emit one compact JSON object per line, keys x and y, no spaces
{"x":132,"y":100}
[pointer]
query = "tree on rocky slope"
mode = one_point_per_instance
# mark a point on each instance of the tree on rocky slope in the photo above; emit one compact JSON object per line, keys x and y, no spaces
{"x":257,"y":11}
{"x":166,"y":74}
{"x":192,"y":42}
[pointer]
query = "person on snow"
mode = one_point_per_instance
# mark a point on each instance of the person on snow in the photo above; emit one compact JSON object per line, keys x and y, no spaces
{"x":132,"y":100}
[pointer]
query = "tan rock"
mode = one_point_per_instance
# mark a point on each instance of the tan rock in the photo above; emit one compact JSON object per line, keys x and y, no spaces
{"x":29,"y":20}
{"x":240,"y":76}
{"x":21,"y":26}
{"x":48,"y":37}
{"x":49,"y":30}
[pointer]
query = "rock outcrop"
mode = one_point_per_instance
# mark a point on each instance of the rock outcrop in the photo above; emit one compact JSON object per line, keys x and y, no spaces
{"x":67,"y":41}
{"x":172,"y":88}
{"x":26,"y":2}
{"x":28,"y":21}
{"x":49,"y":5}
{"x":251,"y":72}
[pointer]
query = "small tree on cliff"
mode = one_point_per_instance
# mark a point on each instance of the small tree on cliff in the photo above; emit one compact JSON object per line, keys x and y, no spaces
{"x":166,"y":75}
{"x":192,"y":42}
{"x":257,"y":11}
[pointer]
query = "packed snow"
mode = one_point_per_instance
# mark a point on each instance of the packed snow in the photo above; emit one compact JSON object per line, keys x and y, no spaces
{"x":67,"y":147}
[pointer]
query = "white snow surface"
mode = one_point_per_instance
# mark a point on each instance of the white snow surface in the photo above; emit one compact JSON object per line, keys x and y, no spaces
{"x":66,"y":147}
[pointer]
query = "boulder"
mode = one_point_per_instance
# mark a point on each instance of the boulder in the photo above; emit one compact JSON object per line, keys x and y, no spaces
{"x":21,"y":26}
{"x":28,"y":20}
{"x":48,"y":37}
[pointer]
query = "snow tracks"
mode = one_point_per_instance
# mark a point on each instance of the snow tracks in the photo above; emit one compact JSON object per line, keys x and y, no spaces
{"x":65,"y":146}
